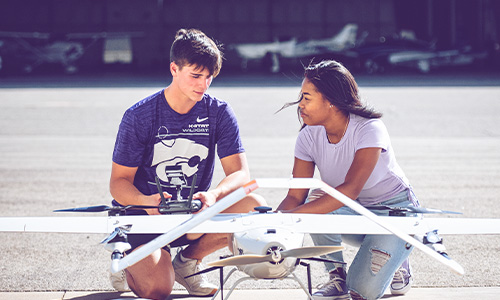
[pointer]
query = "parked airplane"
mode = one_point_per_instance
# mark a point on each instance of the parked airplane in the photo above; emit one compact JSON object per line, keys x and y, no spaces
{"x":27,"y":51}
{"x":405,"y":50}
{"x":292,"y":48}
{"x":427,"y":60}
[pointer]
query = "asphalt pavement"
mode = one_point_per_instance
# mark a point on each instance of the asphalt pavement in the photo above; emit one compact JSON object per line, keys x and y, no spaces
{"x":483,"y":293}
{"x":57,"y":135}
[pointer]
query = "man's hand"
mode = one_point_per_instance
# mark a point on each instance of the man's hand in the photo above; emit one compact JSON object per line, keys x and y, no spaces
{"x":207,"y":199}
{"x":154,"y":200}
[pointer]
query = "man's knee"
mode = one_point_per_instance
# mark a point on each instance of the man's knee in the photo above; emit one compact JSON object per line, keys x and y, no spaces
{"x":162,"y":293}
{"x":153,"y":277}
{"x":151,"y":289}
{"x":247,"y":204}
{"x":256,"y":200}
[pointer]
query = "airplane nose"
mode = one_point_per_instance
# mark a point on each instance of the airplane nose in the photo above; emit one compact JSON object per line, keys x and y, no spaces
{"x":276,"y":256}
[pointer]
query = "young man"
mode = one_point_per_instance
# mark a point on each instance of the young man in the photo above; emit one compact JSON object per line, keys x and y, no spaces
{"x":176,"y":130}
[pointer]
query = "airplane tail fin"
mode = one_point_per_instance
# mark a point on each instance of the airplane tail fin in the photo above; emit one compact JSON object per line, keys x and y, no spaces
{"x":347,"y":36}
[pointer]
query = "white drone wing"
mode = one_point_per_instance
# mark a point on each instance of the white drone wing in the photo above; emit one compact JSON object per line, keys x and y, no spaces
{"x":56,"y":224}
{"x":231,"y":223}
{"x":209,"y":221}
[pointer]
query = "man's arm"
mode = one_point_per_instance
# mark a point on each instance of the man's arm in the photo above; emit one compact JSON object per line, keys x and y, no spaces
{"x":237,"y":174}
{"x":121,"y":186}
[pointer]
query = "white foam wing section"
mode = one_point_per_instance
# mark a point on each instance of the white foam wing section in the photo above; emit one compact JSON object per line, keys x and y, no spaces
{"x":343,"y":224}
{"x":231,"y":223}
{"x":56,"y":224}
{"x":289,"y":183}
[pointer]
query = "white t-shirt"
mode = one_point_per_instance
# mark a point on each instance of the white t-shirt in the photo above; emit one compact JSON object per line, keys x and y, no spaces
{"x":334,"y":160}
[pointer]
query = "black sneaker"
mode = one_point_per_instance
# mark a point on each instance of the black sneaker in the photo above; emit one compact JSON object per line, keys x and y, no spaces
{"x":335,"y":288}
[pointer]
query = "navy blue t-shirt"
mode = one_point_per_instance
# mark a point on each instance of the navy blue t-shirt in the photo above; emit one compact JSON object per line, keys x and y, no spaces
{"x":166,"y":144}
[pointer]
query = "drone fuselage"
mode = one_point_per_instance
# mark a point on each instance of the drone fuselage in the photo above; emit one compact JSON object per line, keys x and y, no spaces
{"x":264,"y":241}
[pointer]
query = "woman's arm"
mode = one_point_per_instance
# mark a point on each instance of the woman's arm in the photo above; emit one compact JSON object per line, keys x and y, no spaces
{"x":361,"y":168}
{"x":296,"y":197}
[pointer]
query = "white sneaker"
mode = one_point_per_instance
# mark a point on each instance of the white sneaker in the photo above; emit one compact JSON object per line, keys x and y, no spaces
{"x":402,"y":280}
{"x":119,"y":281}
{"x":196,"y":285}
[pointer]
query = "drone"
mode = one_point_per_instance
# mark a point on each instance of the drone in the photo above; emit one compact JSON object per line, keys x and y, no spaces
{"x":265,"y":245}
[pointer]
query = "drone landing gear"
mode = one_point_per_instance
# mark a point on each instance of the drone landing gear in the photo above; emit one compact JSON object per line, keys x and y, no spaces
{"x":223,"y":280}
{"x":434,"y":241}
{"x":117,"y":243}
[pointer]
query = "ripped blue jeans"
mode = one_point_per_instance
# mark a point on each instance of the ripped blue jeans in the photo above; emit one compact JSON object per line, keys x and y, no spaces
{"x":378,"y":257}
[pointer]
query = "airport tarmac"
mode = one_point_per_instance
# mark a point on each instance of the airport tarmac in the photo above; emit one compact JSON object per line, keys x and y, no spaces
{"x":56,"y":143}
{"x":483,"y":293}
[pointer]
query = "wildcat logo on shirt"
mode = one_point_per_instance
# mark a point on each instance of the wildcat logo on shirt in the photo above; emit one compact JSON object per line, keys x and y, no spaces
{"x":177,"y":152}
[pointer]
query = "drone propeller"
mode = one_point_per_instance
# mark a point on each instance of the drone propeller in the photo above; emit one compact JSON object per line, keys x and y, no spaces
{"x":412,"y":209}
{"x":307,"y":252}
{"x":247,"y":259}
{"x":241,"y":260}
{"x":101,"y":208}
{"x":165,"y":207}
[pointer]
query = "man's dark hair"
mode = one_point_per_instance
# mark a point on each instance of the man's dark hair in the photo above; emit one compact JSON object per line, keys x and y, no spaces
{"x":193,"y":47}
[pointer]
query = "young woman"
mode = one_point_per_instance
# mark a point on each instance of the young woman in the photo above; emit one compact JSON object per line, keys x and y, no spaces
{"x":350,"y":146}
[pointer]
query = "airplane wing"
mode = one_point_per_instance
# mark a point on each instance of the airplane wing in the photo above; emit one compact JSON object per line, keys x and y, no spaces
{"x":259,"y":50}
{"x":24,"y":35}
{"x":210,"y":221}
{"x":56,"y":224}
{"x":231,"y":223}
